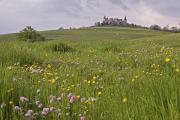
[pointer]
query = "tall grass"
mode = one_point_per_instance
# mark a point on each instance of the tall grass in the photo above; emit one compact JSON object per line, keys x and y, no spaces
{"x":104,"y":79}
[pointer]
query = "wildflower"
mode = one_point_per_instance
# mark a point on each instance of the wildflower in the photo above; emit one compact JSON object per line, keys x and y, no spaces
{"x":125,"y":99}
{"x":133,"y":80}
{"x":72,"y":99}
{"x":24,"y":99}
{"x":93,"y":82}
{"x":85,"y":81}
{"x":94,"y":78}
{"x":39,"y":104}
{"x":53,"y":81}
{"x":88,"y":102}
{"x":83,"y":100}
{"x":82,"y":118}
{"x":52,"y":98}
{"x":93,"y":99}
{"x":3,"y":105}
{"x":99,"y":93}
{"x":49,"y":66}
{"x":59,"y":112}
{"x":167,"y":60}
{"x":17,"y":109}
{"x":10,"y":102}
{"x":78,"y":97}
{"x":29,"y":114}
{"x":45,"y":111}
{"x":59,"y":99}
{"x":136,"y":77}
{"x":62,"y":95}
{"x":51,"y":109}
{"x":38,"y":91}
{"x":177,"y":70}
{"x":69,"y":95}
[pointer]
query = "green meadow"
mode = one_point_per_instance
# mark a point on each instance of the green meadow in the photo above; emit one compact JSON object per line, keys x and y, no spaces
{"x":105,"y":73}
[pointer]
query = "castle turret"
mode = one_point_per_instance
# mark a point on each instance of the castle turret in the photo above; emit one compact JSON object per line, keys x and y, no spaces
{"x":125,"y":19}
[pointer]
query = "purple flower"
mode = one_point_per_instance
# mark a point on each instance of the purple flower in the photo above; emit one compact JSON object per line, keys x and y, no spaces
{"x":39,"y":104}
{"x":45,"y":111}
{"x":29,"y":114}
{"x":17,"y":108}
{"x":24,"y":99}
{"x":51,"y":109}
{"x":82,"y":118}
{"x":69,"y":95}
{"x":83,"y":100}
{"x":72,"y":99}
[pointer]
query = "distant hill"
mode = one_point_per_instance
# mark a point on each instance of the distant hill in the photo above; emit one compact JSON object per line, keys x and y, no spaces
{"x":104,"y":33}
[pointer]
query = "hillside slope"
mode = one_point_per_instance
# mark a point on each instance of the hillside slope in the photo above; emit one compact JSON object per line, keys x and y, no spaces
{"x":104,"y":33}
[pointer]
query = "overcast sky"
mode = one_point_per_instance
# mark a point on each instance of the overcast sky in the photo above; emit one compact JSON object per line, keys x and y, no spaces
{"x":52,"y":14}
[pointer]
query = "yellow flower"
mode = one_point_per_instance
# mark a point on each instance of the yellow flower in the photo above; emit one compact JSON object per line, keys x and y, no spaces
{"x":78,"y":97}
{"x":93,"y":82}
{"x":99,"y":93}
{"x":10,"y":102}
{"x":125,"y":99}
{"x":167,"y":60}
{"x":49,"y":66}
{"x":53,"y":81}
{"x":177,"y":70}
{"x":133,"y":80}
{"x":89,"y":82}
{"x":94,"y":78}
{"x":88,"y":102}
{"x":85,"y":80}
{"x":136,"y":77}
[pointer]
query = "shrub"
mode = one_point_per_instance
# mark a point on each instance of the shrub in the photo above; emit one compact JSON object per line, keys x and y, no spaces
{"x":61,"y":47}
{"x":30,"y":35}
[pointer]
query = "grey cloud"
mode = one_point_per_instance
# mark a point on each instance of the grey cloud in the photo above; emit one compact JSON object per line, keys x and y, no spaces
{"x":47,"y":14}
{"x":165,"y":7}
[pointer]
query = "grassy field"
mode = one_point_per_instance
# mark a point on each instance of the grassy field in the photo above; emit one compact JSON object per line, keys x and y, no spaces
{"x":91,"y":74}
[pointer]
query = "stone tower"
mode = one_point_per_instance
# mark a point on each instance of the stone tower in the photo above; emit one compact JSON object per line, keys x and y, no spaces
{"x":125,"y":20}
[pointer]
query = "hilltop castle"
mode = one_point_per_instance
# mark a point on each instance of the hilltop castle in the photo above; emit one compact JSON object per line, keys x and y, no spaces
{"x":114,"y":21}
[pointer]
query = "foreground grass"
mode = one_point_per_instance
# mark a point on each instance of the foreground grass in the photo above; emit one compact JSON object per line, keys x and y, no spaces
{"x":96,"y":74}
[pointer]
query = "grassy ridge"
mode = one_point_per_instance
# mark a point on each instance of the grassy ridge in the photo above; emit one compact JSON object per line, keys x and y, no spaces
{"x":107,"y":73}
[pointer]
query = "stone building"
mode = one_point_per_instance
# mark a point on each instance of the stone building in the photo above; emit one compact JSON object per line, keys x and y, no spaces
{"x":114,"y":21}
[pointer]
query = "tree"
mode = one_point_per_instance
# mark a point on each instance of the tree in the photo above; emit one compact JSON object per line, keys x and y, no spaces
{"x":30,"y":35}
{"x":155,"y":27}
{"x":97,"y":24}
{"x":166,"y":28}
{"x":174,"y":29}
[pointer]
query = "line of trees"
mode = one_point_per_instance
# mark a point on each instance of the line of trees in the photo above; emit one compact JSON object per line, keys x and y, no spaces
{"x":165,"y":28}
{"x":153,"y":27}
